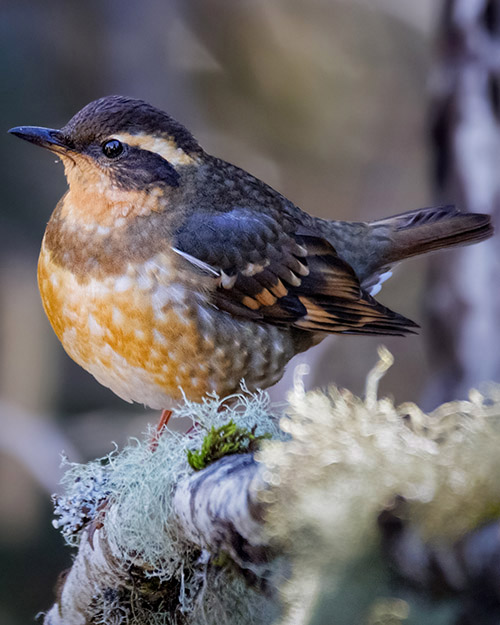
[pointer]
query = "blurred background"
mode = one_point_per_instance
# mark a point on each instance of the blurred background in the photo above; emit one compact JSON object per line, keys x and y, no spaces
{"x":353,"y":109}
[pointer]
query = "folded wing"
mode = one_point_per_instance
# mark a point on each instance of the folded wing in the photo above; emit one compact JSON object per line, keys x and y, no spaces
{"x":281,"y":274}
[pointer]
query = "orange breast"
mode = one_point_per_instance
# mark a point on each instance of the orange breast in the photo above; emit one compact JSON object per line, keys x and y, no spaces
{"x":137,"y":333}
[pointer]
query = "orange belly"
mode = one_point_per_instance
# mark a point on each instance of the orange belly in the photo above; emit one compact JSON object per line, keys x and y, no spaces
{"x":146,"y":337}
{"x":134,"y":333}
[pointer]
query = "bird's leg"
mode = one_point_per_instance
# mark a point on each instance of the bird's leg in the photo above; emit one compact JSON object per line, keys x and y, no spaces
{"x":193,"y":428}
{"x":164,"y":419}
{"x":162,"y":424}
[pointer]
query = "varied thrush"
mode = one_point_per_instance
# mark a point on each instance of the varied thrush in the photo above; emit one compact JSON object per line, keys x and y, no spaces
{"x":164,"y":269}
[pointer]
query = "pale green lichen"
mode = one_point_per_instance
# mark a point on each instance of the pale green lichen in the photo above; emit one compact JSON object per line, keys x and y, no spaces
{"x":349,"y":457}
{"x":139,"y":484}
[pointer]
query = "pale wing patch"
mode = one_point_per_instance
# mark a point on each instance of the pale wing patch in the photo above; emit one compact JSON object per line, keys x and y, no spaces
{"x":197,"y":262}
{"x":378,"y":285}
{"x":117,"y":316}
{"x":253,"y":268}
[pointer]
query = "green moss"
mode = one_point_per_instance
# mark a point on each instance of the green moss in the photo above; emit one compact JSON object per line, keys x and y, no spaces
{"x":223,"y":441}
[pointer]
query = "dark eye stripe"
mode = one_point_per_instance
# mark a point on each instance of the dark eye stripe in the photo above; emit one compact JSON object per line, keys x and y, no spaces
{"x":141,"y":169}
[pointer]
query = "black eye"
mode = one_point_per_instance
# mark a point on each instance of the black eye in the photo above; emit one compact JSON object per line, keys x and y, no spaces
{"x":112,"y":148}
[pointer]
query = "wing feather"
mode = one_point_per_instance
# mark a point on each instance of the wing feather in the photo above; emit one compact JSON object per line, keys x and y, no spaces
{"x":293,"y":276}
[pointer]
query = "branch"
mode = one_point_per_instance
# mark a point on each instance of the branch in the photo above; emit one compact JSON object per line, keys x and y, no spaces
{"x":278,"y":532}
{"x":217,"y":509}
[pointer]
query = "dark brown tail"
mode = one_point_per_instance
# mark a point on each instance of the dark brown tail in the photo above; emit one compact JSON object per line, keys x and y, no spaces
{"x":428,"y":229}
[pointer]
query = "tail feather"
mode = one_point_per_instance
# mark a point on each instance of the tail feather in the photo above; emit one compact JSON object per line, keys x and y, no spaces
{"x":428,"y":229}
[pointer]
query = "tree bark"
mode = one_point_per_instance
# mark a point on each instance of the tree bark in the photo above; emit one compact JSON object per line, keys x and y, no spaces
{"x":463,"y":302}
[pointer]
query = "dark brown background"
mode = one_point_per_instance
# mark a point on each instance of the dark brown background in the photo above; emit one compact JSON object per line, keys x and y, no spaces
{"x":326,"y":100}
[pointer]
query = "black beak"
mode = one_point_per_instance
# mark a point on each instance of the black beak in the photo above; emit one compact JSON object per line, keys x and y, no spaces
{"x":45,"y":137}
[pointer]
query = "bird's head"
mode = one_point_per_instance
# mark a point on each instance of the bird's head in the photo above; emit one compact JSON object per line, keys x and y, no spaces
{"x":123,"y":142}
{"x":120,"y":155}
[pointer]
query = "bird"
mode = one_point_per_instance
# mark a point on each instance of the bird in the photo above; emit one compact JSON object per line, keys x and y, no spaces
{"x":167,"y":272}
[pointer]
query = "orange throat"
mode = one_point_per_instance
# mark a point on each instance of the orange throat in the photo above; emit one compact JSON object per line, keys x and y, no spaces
{"x":94,"y":200}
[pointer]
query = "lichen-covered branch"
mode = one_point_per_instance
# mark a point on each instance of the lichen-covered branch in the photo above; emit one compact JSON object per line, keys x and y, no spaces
{"x":89,"y":592}
{"x":291,"y":533}
{"x":217,"y":509}
{"x":161,"y":543}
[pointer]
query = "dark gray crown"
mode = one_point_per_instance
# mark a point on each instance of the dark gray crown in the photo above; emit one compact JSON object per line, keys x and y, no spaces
{"x":114,"y":114}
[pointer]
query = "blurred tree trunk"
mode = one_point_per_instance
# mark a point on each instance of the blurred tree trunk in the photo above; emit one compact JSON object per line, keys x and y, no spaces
{"x":463,"y":299}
